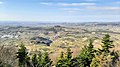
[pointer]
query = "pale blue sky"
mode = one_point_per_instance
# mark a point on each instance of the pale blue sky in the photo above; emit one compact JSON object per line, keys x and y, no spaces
{"x":60,"y":10}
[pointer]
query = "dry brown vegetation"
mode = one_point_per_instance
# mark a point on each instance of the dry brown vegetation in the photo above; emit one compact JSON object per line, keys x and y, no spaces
{"x":8,"y":55}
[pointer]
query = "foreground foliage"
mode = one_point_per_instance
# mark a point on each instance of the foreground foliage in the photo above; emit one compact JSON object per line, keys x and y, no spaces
{"x":66,"y":60}
{"x":22,"y":56}
{"x":105,"y":57}
{"x":88,"y":57}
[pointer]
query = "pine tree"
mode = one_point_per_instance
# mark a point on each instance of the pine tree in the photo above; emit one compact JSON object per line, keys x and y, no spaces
{"x":104,"y":57}
{"x":39,"y":60}
{"x":86,"y":55}
{"x":107,"y":43}
{"x":115,"y":58}
{"x":66,"y":60}
{"x":46,"y":61}
{"x":69,"y":54}
{"x":70,"y":62}
{"x":90,"y":46}
{"x":22,"y":56}
{"x":34,"y":60}
{"x":101,"y":60}
{"x":60,"y":60}
{"x":1,"y":64}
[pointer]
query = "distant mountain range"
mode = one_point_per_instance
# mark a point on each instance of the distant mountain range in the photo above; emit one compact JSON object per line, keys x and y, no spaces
{"x":7,"y":23}
{"x":17,"y":23}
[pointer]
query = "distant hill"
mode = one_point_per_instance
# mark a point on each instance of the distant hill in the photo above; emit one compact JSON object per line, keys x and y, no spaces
{"x":18,"y":23}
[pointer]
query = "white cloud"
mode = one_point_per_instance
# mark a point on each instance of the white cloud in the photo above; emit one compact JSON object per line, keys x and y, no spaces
{"x":76,"y":4}
{"x":68,"y":4}
{"x":90,"y":0}
{"x":71,"y":9}
{"x":46,"y":3}
{"x":117,"y":2}
{"x":1,"y":2}
{"x":103,"y":8}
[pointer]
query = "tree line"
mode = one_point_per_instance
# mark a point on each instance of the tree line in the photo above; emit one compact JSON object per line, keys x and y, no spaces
{"x":88,"y":57}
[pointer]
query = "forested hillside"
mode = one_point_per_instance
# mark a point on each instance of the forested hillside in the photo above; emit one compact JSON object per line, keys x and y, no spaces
{"x":88,"y":56}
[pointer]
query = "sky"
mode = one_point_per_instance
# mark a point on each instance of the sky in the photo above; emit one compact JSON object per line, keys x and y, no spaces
{"x":60,"y":10}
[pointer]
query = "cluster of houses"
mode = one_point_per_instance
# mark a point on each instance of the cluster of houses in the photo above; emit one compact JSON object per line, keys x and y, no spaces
{"x":9,"y":36}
